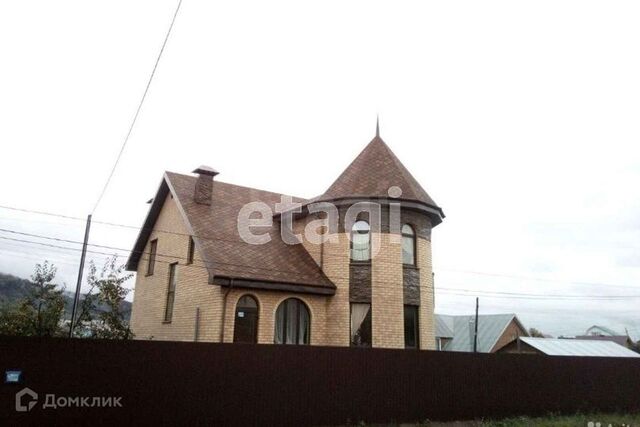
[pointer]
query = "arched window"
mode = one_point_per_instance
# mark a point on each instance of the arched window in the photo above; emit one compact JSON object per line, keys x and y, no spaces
{"x":293,"y":323}
{"x":408,"y":245}
{"x":246,"y":321}
{"x":360,"y":241}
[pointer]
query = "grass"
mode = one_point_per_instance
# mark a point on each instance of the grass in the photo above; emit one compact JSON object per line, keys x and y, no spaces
{"x":597,"y":420}
{"x":604,"y":420}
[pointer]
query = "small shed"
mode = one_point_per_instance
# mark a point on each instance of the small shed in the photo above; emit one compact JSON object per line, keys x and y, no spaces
{"x":567,"y":347}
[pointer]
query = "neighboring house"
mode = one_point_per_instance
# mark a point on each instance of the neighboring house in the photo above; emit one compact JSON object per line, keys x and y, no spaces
{"x":367,"y":285}
{"x":601,"y":333}
{"x":567,"y":347}
{"x":455,"y":333}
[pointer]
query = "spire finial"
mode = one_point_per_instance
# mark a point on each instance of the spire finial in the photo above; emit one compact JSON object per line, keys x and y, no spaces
{"x":377,"y":126}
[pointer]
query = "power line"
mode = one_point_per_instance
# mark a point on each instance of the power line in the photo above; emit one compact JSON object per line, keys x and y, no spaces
{"x":534,"y":279}
{"x":135,"y":117}
{"x":238,"y":241}
{"x":33,"y":257}
{"x":451,"y":291}
{"x":33,"y":211}
{"x":441,"y":290}
{"x":470,"y":293}
{"x":176,"y":257}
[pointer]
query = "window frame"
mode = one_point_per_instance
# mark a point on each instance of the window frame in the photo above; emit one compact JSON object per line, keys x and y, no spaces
{"x":191,"y":250}
{"x":240,"y":307}
{"x":416,"y":326}
{"x":414,"y":241}
{"x":369,"y":315}
{"x":283,"y":304}
{"x":151,"y":262}
{"x":354,"y":231}
{"x":171,"y":292}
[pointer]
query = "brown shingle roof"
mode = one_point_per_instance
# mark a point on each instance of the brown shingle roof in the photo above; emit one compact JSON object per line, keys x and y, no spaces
{"x":225,"y":253}
{"x":214,"y":226}
{"x":372,"y":173}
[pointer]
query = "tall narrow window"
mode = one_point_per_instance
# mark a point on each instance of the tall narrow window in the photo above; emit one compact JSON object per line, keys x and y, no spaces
{"x":293,"y":323}
{"x":411,"y":326}
{"x":361,"y":325}
{"x":153,"y":246}
{"x":171,"y":291}
{"x":408,"y":245}
{"x":192,"y":249}
{"x":360,"y":241}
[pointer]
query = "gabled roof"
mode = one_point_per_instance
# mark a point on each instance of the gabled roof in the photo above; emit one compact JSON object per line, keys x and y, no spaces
{"x":444,"y":326}
{"x":571,"y":347}
{"x":490,"y":328}
{"x":372,"y":173}
{"x":597,"y":330}
{"x":214,"y":228}
{"x":227,"y":256}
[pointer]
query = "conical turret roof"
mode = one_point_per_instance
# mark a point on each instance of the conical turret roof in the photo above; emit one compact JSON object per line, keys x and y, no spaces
{"x":373,"y":173}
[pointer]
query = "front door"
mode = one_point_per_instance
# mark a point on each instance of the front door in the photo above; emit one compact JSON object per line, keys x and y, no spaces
{"x":246,"y":321}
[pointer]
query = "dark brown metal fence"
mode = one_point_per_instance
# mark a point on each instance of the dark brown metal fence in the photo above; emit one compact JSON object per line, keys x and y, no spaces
{"x":226,"y":384}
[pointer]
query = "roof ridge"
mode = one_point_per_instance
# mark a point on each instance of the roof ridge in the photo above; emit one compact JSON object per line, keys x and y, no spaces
{"x":240,"y":186}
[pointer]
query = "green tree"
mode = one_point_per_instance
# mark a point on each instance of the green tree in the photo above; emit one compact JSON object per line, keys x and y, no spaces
{"x":533,"y":332}
{"x":13,"y":320}
{"x":102,"y":314}
{"x":41,"y":311}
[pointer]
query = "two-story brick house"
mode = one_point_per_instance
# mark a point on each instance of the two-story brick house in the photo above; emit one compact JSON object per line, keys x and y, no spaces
{"x":367,"y":280}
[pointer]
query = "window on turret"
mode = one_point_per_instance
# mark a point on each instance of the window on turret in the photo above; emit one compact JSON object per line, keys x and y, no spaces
{"x":360,"y":325}
{"x":411,"y":326}
{"x":408,"y":245}
{"x":360,"y":241}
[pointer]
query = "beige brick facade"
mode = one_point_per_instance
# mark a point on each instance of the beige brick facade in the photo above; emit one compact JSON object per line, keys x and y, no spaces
{"x":387,"y":321}
{"x":336,"y":267}
{"x":192,"y":289}
{"x":330,"y":315}
{"x":268,"y":304}
{"x":426,"y":318}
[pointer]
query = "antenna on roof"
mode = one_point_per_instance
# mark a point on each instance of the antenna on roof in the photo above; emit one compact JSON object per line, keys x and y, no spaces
{"x":378,"y":126}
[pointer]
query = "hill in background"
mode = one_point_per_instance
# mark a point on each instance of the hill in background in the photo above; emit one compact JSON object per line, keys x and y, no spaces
{"x":13,"y":288}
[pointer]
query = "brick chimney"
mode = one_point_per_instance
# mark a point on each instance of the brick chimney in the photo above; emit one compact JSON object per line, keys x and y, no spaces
{"x":204,"y":184}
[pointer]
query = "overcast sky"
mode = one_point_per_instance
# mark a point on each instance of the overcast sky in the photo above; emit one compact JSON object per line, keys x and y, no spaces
{"x":519,"y":118}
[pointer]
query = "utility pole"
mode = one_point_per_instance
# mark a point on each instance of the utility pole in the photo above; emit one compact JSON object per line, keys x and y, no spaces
{"x":80,"y":273}
{"x":475,"y":332}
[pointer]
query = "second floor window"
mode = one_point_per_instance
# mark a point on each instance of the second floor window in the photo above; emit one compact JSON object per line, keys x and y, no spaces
{"x":153,"y":247}
{"x":191,"y":250}
{"x":360,"y":241}
{"x":171,"y":292}
{"x":408,"y":245}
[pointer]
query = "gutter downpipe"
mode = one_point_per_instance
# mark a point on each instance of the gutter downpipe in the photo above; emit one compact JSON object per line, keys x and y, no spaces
{"x":224,"y":309}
